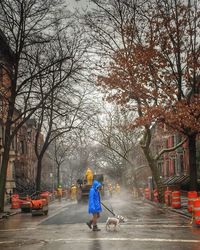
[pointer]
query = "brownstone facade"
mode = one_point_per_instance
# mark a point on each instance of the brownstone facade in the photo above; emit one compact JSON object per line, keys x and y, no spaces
{"x":21,"y":170}
{"x":174,"y":165}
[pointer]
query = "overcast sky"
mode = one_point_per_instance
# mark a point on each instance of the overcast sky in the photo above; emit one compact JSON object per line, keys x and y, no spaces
{"x":78,"y":4}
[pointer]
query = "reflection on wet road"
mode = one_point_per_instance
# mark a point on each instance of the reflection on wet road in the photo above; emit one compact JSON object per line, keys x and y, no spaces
{"x":146,"y":227}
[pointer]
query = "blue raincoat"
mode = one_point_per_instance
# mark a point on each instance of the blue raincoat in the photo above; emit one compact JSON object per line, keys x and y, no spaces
{"x":94,"y":204}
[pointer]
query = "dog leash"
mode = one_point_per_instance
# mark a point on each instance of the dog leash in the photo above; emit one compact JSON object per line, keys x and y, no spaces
{"x":107,"y":209}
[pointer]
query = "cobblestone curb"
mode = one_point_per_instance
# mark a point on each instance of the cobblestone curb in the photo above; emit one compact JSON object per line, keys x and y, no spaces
{"x":183,"y":211}
{"x":7,"y":214}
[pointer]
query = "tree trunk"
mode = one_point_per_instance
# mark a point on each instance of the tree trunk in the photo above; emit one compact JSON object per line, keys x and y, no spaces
{"x":3,"y":174}
{"x":158,"y":181}
{"x":58,"y":175}
{"x":192,"y":162}
{"x":6,"y":154}
{"x":135,"y":182}
{"x":39,"y":173}
{"x":156,"y":175}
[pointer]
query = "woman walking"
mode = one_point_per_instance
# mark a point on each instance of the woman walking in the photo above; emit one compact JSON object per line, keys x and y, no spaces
{"x":94,"y":205}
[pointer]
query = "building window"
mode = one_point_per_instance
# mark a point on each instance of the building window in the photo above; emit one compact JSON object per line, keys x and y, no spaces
{"x":167,"y":168}
{"x":13,"y":145}
{"x":160,"y":168}
{"x":172,"y":166}
{"x":181,"y":164}
{"x":3,"y":136}
{"x":13,"y":171}
{"x":22,"y":148}
{"x":177,"y":165}
{"x":1,"y":74}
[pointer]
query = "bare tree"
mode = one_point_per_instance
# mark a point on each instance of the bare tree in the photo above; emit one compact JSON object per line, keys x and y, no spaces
{"x":58,"y":117}
{"x":117,"y":142}
{"x":29,"y":29}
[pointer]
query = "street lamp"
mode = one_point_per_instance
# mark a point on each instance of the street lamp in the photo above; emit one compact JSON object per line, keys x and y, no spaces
{"x":51,"y":176}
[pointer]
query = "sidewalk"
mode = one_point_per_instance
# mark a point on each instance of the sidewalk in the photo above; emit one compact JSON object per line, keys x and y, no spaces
{"x":8,"y":211}
{"x":183,"y":210}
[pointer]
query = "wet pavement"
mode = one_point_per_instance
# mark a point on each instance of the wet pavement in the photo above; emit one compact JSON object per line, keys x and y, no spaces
{"x":147,"y":226}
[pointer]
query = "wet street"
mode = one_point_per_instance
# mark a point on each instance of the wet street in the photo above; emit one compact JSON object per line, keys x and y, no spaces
{"x":146,"y":227}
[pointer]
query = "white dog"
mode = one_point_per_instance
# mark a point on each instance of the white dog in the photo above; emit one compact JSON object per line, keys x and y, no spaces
{"x":114,"y":222}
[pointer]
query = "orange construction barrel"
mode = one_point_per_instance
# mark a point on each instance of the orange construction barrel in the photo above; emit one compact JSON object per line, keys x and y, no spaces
{"x":192,"y":195}
{"x":176,"y":199}
{"x":196,"y":211}
{"x":15,"y":203}
{"x":147,"y":193}
{"x":168,"y":195}
{"x":37,"y":204}
{"x":45,"y":195}
{"x":155,"y":195}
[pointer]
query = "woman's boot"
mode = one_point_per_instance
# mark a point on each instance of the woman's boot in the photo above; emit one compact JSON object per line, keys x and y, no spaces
{"x":89,"y":224}
{"x":95,"y":228}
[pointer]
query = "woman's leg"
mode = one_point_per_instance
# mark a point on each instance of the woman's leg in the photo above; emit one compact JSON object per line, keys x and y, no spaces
{"x":93,"y":222}
{"x":95,"y":218}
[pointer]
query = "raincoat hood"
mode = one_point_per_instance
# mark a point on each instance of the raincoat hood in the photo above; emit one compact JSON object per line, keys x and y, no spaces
{"x":96,"y":184}
{"x":94,"y":202}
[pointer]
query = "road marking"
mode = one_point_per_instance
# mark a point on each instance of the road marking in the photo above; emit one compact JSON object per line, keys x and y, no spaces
{"x":126,"y":239}
{"x":78,"y":240}
{"x":157,"y":225}
{"x":17,"y":229}
{"x":64,"y":208}
{"x":7,"y":242}
{"x":136,"y":226}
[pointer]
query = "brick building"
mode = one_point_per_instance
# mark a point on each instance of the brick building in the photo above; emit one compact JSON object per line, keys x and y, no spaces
{"x":6,"y":65}
{"x":174,"y":165}
{"x":22,"y":163}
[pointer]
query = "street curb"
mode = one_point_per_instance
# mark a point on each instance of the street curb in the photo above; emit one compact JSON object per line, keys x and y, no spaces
{"x":180,"y":212}
{"x":161,"y":206}
{"x":7,"y":214}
